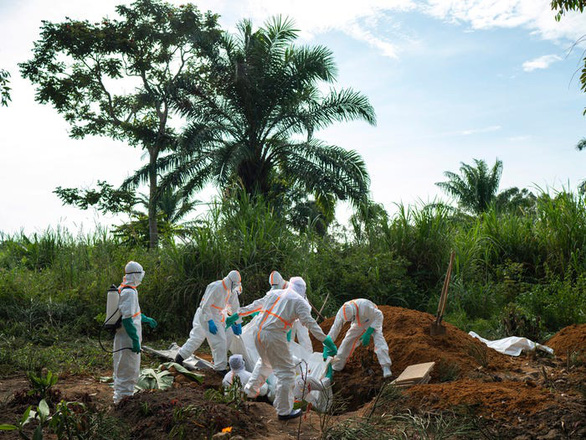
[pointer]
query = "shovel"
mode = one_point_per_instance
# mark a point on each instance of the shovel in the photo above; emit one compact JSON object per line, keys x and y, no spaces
{"x":436,"y":327}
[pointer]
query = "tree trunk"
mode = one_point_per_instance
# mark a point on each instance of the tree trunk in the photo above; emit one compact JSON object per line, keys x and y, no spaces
{"x":153,"y":190}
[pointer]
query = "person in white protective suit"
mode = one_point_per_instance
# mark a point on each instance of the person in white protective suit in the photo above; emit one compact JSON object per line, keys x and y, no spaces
{"x":367,"y":321}
{"x":128,"y":337}
{"x":219,"y":299}
{"x":237,"y":369}
{"x":298,"y":330}
{"x":281,"y":308}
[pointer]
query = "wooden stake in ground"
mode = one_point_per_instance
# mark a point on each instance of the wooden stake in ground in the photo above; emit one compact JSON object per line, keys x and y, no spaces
{"x":436,"y":327}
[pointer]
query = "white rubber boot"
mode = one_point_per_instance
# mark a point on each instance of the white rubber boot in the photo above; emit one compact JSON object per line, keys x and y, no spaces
{"x":387,"y":372}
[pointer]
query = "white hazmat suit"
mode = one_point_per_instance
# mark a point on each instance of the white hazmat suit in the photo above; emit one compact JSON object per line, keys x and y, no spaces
{"x":219,"y":299}
{"x":281,"y":308}
{"x":364,"y":315}
{"x":127,"y":361}
{"x":298,"y":330}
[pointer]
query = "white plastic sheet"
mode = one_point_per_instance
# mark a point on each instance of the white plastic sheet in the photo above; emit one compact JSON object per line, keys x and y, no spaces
{"x":513,"y":345}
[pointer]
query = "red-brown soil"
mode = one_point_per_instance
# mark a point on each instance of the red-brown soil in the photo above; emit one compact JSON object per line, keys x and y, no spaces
{"x":455,"y":353}
{"x":571,"y":339}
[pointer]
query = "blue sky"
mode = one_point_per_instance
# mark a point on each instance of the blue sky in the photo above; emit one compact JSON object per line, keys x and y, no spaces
{"x":450,"y":80}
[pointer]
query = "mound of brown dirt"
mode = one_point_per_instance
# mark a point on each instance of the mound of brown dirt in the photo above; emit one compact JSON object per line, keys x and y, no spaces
{"x":406,"y":331}
{"x":496,"y":400}
{"x":184,"y":412}
{"x":569,"y":339}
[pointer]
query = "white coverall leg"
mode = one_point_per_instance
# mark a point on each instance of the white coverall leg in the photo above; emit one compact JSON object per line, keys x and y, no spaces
{"x":126,"y":364}
{"x":349,"y":344}
{"x":219,"y":346}
{"x":352,"y":341}
{"x":381,"y":348}
{"x":274,"y":351}
{"x":262,"y":370}
{"x":196,"y":337}
{"x":218,"y":343}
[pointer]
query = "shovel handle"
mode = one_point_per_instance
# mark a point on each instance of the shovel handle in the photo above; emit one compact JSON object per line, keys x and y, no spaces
{"x":444,"y":295}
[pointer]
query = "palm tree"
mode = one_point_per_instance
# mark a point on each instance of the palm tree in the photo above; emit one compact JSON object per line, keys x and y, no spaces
{"x":252,"y":121}
{"x":476,"y":186}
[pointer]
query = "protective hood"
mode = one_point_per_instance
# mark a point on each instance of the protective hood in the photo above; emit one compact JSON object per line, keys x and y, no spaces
{"x":276,"y":281}
{"x":236,"y":362}
{"x":233,"y":282}
{"x":349,"y":310}
{"x":297,"y":284}
{"x":133,"y":274}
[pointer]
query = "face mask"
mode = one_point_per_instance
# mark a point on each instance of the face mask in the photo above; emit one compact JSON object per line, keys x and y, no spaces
{"x":237,"y":289}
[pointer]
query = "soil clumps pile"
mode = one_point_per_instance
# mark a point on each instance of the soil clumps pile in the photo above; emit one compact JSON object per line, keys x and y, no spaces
{"x":571,"y":339}
{"x":500,"y":400}
{"x":456,"y":354}
{"x":173,"y":413}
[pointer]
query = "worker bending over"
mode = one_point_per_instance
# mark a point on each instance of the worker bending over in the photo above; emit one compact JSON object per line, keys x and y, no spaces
{"x":219,"y":299}
{"x":367,"y":320}
{"x":281,"y":308}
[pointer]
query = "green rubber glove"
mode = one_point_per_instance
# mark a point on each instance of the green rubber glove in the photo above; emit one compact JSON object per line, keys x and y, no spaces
{"x":330,"y":348}
{"x":132,"y":334}
{"x":252,"y":315}
{"x":150,"y":321}
{"x":231,"y":319}
{"x":365,"y":338}
{"x":330,"y":372}
{"x":289,"y":335}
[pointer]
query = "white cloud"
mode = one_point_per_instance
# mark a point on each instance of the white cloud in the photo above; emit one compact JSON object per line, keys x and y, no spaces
{"x":356,"y":19}
{"x":540,"y":63}
{"x":534,"y":15}
{"x":472,"y":131}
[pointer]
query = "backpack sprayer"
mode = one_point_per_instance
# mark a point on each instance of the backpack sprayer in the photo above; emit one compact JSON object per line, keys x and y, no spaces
{"x":113,"y":317}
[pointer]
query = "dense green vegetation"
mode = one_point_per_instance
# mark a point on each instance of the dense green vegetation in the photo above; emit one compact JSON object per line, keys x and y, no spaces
{"x":514,"y":273}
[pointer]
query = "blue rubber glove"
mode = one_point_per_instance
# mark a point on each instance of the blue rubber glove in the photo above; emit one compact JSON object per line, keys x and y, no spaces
{"x":237,"y":329}
{"x":289,"y":335}
{"x":330,"y":348}
{"x":231,"y":319}
{"x":212,"y":327}
{"x":132,"y":334}
{"x":365,"y":338}
{"x":150,"y":321}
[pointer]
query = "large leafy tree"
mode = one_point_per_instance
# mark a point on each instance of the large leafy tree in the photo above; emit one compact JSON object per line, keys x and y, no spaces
{"x":475,"y":187}
{"x":115,"y":78}
{"x":258,"y":129}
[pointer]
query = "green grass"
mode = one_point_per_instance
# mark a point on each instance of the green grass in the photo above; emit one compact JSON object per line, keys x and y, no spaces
{"x":55,"y":282}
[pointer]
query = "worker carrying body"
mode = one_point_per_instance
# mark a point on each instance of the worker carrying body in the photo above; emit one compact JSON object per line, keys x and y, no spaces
{"x":128,"y":337}
{"x":297,"y":330}
{"x":281,"y":308}
{"x":367,"y":321}
{"x":219,"y":299}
